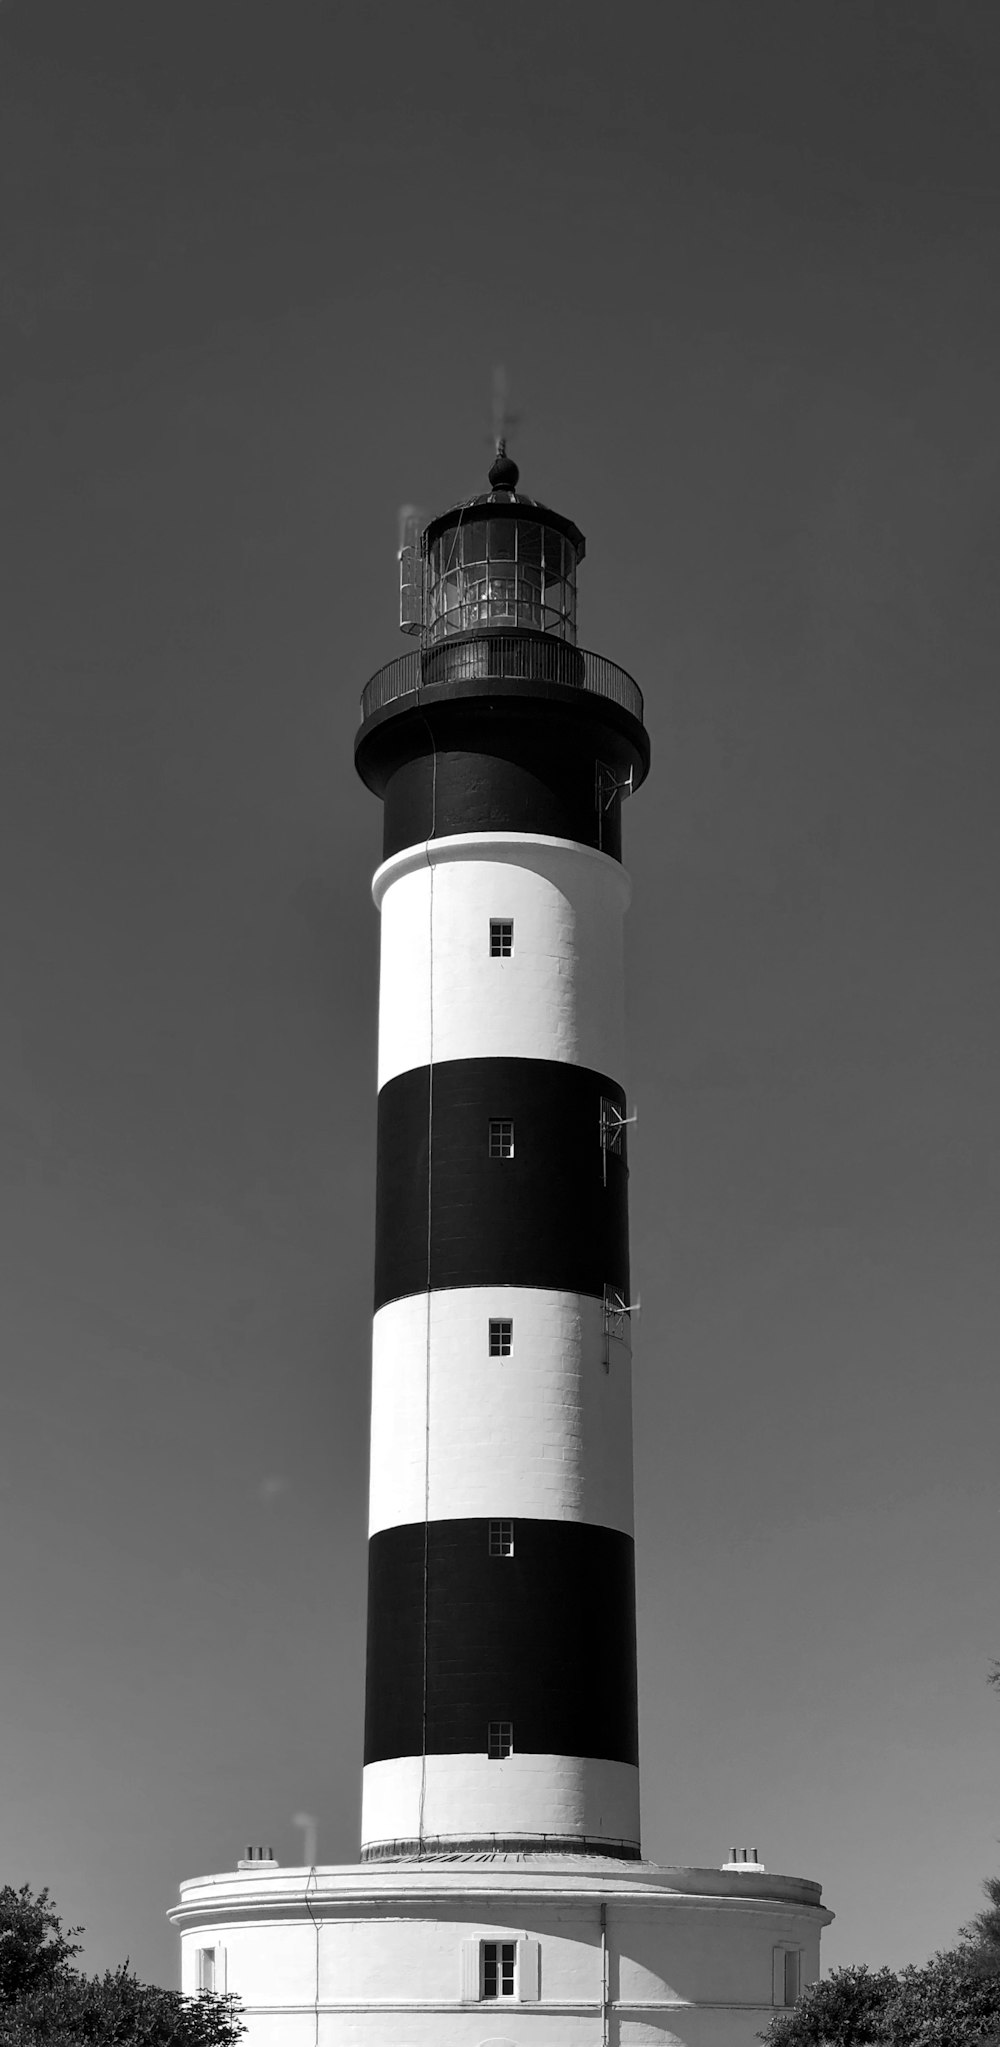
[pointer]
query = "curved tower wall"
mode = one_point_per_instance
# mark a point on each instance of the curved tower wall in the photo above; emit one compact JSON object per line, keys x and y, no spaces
{"x":501,"y":1685}
{"x":541,"y":1434}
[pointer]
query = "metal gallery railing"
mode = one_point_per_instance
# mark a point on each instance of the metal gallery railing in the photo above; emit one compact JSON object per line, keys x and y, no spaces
{"x":509,"y":658}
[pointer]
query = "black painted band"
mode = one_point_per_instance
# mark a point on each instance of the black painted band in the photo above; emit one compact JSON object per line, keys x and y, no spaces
{"x":554,"y":1215}
{"x":498,"y":763}
{"x":544,"y":1638}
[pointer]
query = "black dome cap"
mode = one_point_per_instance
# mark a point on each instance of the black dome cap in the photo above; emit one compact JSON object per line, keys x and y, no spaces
{"x":504,"y":473}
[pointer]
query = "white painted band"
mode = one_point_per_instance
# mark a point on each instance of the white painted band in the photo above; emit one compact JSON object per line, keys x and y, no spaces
{"x":545,"y":1434}
{"x":560,"y":994}
{"x":505,"y":846}
{"x":524,"y":1796}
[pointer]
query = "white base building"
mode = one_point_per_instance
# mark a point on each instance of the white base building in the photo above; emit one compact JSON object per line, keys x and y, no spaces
{"x":496,"y":1950}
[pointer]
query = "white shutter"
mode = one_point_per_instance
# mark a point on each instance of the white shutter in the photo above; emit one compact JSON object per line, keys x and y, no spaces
{"x":528,"y":1969}
{"x":787,"y":1975}
{"x":469,"y":1992}
{"x":220,"y":1969}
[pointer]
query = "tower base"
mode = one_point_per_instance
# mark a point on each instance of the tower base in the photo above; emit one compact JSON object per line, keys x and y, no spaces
{"x":501,"y":1950}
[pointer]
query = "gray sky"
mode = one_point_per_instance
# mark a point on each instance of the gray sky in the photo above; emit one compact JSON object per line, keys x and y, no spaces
{"x":741,"y":265}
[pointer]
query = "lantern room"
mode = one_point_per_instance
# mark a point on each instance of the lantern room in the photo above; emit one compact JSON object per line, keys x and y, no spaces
{"x":501,"y":562}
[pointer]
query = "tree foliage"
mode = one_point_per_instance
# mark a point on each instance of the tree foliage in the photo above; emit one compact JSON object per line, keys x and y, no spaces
{"x":845,"y":2010}
{"x":982,"y":1935}
{"x":45,"y":2002}
{"x":34,"y":1950}
{"x":954,"y":2001}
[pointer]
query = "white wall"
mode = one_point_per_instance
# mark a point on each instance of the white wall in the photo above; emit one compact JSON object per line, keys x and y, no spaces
{"x":713,"y":1950}
{"x":382,"y":1967}
{"x":559,"y":996}
{"x":523,"y":1795}
{"x":545,"y":1433}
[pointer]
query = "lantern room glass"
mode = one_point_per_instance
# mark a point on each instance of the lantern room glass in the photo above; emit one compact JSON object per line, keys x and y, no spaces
{"x":502,"y":572}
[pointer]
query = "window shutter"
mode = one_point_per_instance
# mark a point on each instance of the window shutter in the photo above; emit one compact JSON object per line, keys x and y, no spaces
{"x":470,"y":1972}
{"x":528,"y":1970}
{"x":787,"y":1975}
{"x":220,"y":1969}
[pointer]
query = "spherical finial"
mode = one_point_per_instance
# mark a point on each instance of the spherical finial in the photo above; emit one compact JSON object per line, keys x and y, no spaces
{"x":503,"y":472}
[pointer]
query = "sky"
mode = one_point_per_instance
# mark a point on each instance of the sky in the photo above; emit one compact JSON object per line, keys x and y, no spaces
{"x":257,"y":267}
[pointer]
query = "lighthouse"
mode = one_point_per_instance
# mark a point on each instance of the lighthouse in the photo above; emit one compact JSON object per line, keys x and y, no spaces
{"x":501,"y":1898}
{"x":501,"y":1676}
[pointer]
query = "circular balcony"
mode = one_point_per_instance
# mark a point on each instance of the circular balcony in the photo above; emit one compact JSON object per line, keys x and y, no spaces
{"x":505,"y":657}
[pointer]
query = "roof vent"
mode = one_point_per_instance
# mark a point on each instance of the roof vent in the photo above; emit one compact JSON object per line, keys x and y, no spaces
{"x":256,"y":1859}
{"x":745,"y":1862}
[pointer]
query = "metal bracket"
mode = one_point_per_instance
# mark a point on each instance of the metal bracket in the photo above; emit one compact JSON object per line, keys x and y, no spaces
{"x":609,"y":788}
{"x":617,"y":1314}
{"x":612,"y":1123}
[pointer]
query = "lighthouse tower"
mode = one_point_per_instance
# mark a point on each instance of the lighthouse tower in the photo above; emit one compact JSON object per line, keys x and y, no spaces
{"x":501,"y":1684}
{"x":501,"y":1899}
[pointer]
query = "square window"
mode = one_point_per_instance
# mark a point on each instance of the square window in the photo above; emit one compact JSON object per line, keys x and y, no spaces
{"x":499,"y":1968}
{"x":500,"y":1740}
{"x":501,"y":1339}
{"x":501,"y":1138}
{"x":501,"y":938}
{"x":501,"y":1538}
